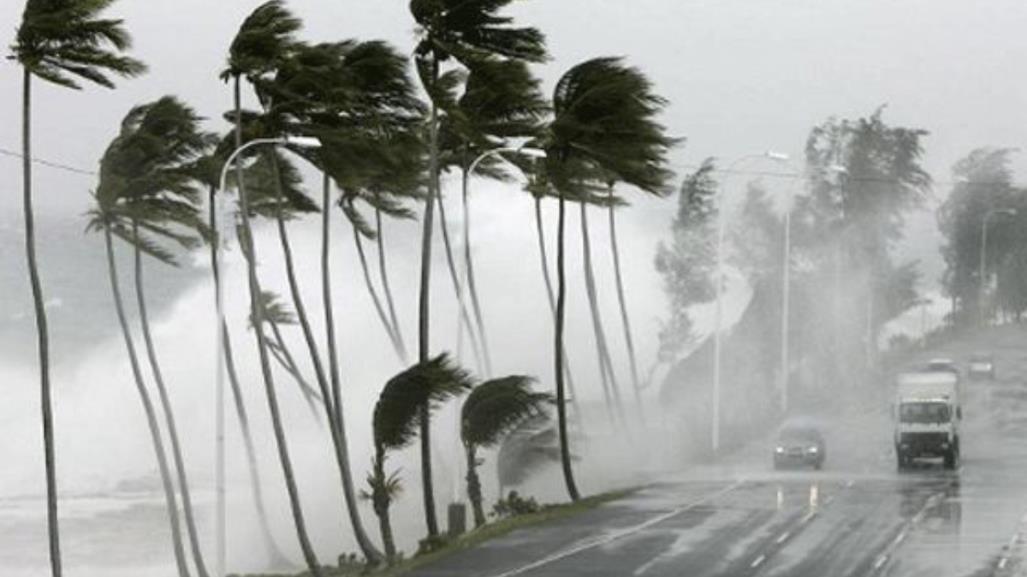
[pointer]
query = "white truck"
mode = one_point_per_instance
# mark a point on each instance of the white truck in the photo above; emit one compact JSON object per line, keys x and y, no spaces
{"x":927,"y":415}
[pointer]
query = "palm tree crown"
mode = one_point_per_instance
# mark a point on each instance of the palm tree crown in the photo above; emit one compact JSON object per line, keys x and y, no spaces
{"x":496,"y":407}
{"x":63,"y":41}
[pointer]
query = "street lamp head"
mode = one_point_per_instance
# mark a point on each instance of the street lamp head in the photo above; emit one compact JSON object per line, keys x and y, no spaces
{"x":838,"y":169}
{"x":776,"y":155}
{"x":1008,"y":211}
{"x":302,"y":141}
{"x":532,"y":152}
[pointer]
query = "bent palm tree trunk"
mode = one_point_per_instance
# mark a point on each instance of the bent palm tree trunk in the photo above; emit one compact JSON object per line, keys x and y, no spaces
{"x":390,"y":330}
{"x":625,"y":319}
{"x":424,"y":308}
{"x":169,"y":414}
{"x":380,"y":501}
{"x":277,"y":557}
{"x":256,"y":311}
{"x":474,"y":486}
{"x":561,"y":398}
{"x":368,"y":549}
{"x":543,"y":253}
{"x":42,"y":331}
{"x":481,"y":358}
{"x":383,"y":273}
{"x":605,"y":366}
{"x":472,"y":286}
{"x":170,"y":501}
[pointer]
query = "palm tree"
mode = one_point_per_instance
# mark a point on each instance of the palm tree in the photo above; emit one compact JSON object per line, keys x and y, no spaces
{"x":501,"y":102}
{"x":397,"y":418}
{"x":492,"y":410}
{"x":261,"y":43}
{"x":208,"y":170}
{"x":603,"y":124}
{"x":354,"y":96}
{"x":143,"y":185}
{"x":622,"y":301}
{"x":168,"y":133}
{"x":465,"y":30}
{"x":611,"y":389}
{"x":60,"y":43}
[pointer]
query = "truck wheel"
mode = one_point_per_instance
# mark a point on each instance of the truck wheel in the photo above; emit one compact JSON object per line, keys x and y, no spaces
{"x":950,"y":459}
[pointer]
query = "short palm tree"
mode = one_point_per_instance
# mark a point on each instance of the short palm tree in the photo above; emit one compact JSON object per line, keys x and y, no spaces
{"x":464,"y":30}
{"x":491,"y":411}
{"x":61,"y":43}
{"x":397,"y":418}
{"x":603,"y":124}
{"x":263,"y":41}
{"x":146,"y":196}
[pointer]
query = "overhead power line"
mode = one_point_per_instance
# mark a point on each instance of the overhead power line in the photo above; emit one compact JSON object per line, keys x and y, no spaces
{"x":48,"y":163}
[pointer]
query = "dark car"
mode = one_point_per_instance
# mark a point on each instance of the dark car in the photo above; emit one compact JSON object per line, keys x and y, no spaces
{"x":941,"y":365}
{"x":799,"y":446}
{"x":981,"y":367}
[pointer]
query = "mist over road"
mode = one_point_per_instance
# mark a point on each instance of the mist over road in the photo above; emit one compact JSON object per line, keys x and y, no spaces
{"x":856,"y":517}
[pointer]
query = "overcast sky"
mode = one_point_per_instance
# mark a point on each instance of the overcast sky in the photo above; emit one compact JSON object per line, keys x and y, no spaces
{"x":742,"y":76}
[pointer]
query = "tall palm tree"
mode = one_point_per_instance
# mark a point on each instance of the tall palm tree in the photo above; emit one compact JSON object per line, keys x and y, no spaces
{"x":143,"y":185}
{"x":501,"y":102}
{"x":263,"y":40}
{"x":611,"y":389}
{"x":603,"y":124}
{"x":629,"y":340}
{"x":355,"y":97}
{"x":465,"y":30}
{"x":397,"y":415}
{"x":164,"y":197}
{"x":61,"y":43}
{"x":208,"y":170}
{"x":491,"y":411}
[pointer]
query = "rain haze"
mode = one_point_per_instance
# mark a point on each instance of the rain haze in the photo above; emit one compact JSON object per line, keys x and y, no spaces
{"x":850,"y":400}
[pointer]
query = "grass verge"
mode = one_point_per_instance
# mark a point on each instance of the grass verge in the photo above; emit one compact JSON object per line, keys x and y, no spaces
{"x":471,"y":539}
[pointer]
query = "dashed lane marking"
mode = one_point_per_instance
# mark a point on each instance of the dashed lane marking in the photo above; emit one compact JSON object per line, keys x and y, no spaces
{"x":600,"y":541}
{"x":759,"y":561}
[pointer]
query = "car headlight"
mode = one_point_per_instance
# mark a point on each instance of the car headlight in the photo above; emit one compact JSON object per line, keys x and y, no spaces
{"x":779,"y":450}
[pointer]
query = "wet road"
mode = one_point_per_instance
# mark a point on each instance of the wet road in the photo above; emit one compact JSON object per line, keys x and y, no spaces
{"x":857,"y":517}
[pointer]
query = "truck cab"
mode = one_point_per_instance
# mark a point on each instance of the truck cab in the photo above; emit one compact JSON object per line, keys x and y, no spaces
{"x":927,"y":415}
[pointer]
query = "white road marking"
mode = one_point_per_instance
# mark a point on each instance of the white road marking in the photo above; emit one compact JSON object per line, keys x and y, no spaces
{"x":881,"y":560}
{"x":899,"y":539}
{"x":759,"y":561}
{"x":784,"y":537}
{"x":1002,"y":563}
{"x":600,"y":541}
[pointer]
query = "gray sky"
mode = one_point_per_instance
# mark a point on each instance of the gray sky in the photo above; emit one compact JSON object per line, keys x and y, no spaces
{"x":742,"y":76}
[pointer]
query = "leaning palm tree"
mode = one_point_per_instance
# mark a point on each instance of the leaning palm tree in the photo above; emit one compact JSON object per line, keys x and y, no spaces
{"x":603,"y":124}
{"x":142,"y":185}
{"x":164,"y":197}
{"x":607,"y":377}
{"x":629,"y":340}
{"x":208,"y":170}
{"x":61,"y":43}
{"x":263,"y":41}
{"x":397,"y":418}
{"x":490,"y":412}
{"x":501,"y":103}
{"x":465,"y":30}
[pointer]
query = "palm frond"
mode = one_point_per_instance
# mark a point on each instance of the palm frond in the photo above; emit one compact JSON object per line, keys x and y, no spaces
{"x":275,"y":310}
{"x":429,"y":384}
{"x":498,"y":406}
{"x":473,"y":29}
{"x":64,"y":42}
{"x":263,"y":39}
{"x":531,"y":446}
{"x":604,"y":128}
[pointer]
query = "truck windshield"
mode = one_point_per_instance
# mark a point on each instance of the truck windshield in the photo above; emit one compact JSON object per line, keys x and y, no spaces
{"x":924,"y":413}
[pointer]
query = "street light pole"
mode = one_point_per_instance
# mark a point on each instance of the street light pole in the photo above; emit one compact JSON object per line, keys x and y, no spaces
{"x":719,"y":316}
{"x":984,"y":257}
{"x":219,"y":378}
